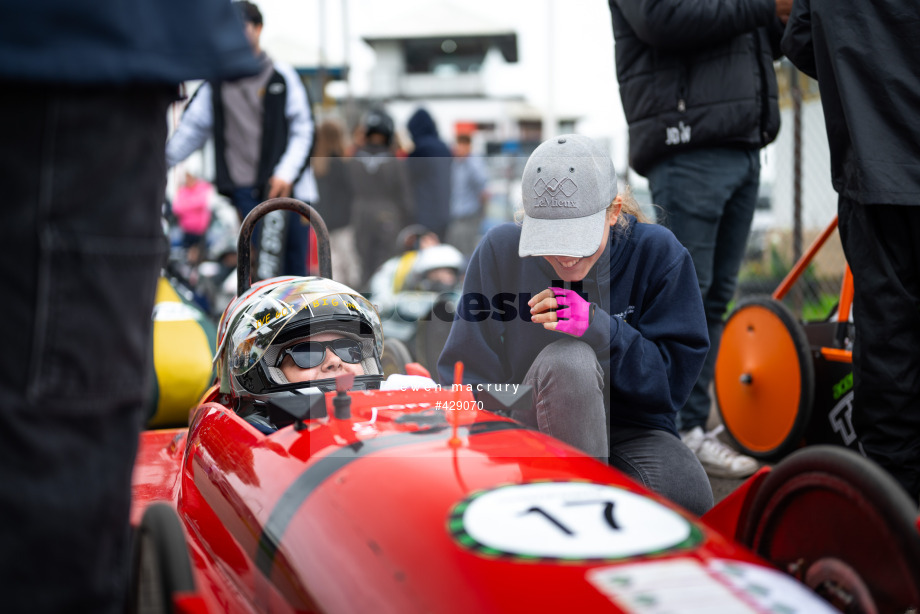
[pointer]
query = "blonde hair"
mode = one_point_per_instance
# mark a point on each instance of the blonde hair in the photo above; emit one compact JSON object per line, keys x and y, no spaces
{"x":630,"y":206}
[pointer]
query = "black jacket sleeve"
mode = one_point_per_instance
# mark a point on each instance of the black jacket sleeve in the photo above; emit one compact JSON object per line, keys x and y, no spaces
{"x":694,"y":24}
{"x":798,"y":44}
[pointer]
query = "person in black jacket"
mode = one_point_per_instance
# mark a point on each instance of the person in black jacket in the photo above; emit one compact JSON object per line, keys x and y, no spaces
{"x":429,"y":174}
{"x":867,"y":63}
{"x":84,"y":90}
{"x":700,"y":96}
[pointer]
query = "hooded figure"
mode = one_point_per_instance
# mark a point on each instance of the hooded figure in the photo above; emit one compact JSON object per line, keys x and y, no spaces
{"x":429,"y":173}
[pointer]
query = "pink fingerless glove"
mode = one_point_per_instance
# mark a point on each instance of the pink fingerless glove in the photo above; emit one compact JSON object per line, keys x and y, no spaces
{"x":573,"y":313}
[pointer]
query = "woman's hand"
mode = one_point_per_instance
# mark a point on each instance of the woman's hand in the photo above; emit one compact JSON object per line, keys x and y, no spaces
{"x":561,"y":310}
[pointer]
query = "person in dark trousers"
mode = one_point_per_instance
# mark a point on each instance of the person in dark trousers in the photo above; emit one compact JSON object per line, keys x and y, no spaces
{"x":867,"y":63}
{"x":84,"y":89}
{"x":700,"y":96}
{"x":598,"y":312}
{"x":429,"y":174}
{"x":263,"y":133}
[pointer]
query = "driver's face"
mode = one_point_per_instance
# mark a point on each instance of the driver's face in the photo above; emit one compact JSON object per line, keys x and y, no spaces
{"x":331,"y":366}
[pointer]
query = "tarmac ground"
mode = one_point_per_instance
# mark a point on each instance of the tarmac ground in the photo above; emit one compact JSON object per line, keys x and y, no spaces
{"x":721,"y":487}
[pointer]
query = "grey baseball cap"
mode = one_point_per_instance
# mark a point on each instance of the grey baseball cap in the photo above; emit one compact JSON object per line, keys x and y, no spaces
{"x":567,"y":185}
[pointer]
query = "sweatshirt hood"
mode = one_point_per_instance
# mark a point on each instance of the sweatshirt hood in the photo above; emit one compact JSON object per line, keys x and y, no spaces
{"x":421,"y":124}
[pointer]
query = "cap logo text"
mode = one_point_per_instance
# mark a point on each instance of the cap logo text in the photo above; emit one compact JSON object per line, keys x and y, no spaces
{"x":551,"y":194}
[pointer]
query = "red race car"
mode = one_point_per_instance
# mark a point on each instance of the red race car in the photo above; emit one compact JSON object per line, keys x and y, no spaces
{"x":340,"y":497}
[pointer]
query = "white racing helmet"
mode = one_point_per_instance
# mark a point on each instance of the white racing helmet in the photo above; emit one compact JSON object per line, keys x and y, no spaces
{"x":440,"y":256}
{"x":257,"y":326}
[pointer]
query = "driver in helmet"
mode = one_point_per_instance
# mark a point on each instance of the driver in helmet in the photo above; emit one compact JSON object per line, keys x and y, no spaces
{"x":438,"y":268}
{"x":288,"y":334}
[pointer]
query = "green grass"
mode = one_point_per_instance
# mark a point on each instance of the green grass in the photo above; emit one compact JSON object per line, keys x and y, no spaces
{"x":820,"y":309}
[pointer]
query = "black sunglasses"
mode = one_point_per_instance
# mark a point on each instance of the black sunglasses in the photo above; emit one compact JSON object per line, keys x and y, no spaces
{"x":310,"y":354}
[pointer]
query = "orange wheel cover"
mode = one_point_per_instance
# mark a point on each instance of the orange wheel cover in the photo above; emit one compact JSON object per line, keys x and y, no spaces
{"x":761,"y":413}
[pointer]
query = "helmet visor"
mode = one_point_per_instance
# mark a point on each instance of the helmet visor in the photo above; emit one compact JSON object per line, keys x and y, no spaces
{"x":262,"y":319}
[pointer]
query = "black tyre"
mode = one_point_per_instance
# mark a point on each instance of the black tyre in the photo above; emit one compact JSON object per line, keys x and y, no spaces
{"x":841,"y":524}
{"x":161,"y":566}
{"x":395,"y":357}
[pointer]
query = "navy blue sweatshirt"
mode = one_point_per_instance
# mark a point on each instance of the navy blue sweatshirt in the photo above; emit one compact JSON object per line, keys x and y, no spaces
{"x":648,"y":328}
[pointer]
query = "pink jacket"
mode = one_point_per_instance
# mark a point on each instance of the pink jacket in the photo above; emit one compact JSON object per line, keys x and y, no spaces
{"x":191,"y":207}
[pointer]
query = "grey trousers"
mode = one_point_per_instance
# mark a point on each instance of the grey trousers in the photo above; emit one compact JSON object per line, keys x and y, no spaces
{"x":568,"y":403}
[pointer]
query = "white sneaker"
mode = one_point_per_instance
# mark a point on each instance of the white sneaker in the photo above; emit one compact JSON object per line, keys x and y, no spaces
{"x":693,"y":438}
{"x":718,"y":459}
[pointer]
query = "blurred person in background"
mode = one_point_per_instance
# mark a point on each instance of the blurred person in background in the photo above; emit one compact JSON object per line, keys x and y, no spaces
{"x":192,"y":209}
{"x":429,"y":174}
{"x":263,"y":132}
{"x":468,"y":196}
{"x":85,"y":88}
{"x":398,"y":274}
{"x":867,"y":63}
{"x":438,"y":269}
{"x":700,"y":96}
{"x":335,"y":197}
{"x":382,"y":204}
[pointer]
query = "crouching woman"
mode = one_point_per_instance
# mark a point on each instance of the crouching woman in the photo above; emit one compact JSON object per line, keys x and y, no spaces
{"x":613,"y":334}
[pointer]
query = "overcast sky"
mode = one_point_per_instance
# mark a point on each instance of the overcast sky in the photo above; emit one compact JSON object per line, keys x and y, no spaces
{"x":565,"y":48}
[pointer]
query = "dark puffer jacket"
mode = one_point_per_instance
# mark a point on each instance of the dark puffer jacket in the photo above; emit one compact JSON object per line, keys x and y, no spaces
{"x":696,"y":74}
